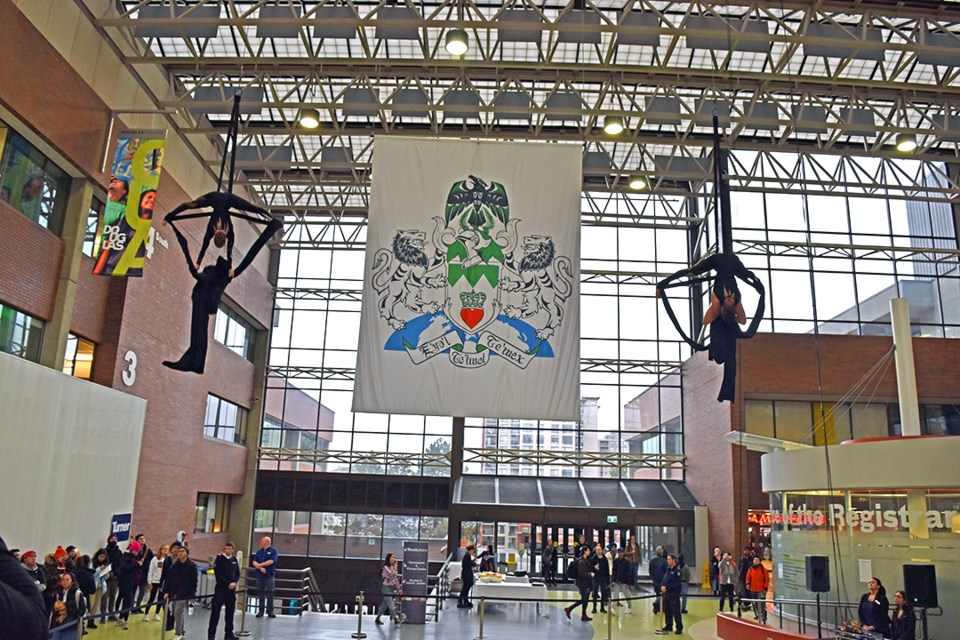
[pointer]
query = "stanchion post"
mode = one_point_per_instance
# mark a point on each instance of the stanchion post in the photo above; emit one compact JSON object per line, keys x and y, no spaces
{"x":163,"y":621}
{"x":359,"y":633}
{"x":480,"y":637}
{"x":79,"y":627}
{"x":610,"y":619}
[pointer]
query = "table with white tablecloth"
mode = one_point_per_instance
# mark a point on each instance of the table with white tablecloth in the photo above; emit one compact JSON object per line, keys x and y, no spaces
{"x":506,"y":591}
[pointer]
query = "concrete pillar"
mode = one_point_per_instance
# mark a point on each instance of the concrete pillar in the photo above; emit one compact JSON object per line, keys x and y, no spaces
{"x":909,"y":405}
{"x":456,"y":471}
{"x":54,"y":343}
{"x":701,"y":536}
{"x":242,"y":506}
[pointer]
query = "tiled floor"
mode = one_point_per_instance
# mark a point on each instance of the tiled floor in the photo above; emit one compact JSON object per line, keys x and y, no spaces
{"x":501,"y":622}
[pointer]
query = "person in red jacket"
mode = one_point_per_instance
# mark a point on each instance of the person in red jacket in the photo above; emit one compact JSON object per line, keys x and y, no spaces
{"x":757,"y":582}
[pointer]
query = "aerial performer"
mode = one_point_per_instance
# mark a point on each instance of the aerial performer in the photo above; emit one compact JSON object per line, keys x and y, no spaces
{"x":212,"y":280}
{"x":211,"y":283}
{"x":220,"y":225}
{"x":725,"y":313}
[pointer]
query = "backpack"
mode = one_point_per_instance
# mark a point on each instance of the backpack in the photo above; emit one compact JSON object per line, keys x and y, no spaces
{"x":572,"y":570}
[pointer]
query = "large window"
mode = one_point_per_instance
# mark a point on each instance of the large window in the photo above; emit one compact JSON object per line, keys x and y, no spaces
{"x":20,"y":334}
{"x":801,"y":421}
{"x":234,"y":332}
{"x":78,"y":358}
{"x":30,"y":183}
{"x":225,"y":420}
{"x":353,"y":535}
{"x":213,"y":510}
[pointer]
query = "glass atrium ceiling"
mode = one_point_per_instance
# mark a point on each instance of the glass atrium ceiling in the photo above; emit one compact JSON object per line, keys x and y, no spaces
{"x":792,"y":78}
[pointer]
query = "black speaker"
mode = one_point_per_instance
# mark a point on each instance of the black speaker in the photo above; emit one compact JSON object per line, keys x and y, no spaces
{"x":818,"y":574}
{"x":920,"y":583}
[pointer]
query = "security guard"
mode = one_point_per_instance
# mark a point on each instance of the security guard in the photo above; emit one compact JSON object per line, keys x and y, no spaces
{"x":670,"y":588}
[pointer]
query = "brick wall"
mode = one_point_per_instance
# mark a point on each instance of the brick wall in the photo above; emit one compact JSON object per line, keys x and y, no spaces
{"x":710,"y":461}
{"x":30,"y":259}
{"x":149,"y":316}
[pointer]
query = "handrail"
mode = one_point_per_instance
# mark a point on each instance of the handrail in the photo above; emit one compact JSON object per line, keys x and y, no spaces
{"x":441,"y":589}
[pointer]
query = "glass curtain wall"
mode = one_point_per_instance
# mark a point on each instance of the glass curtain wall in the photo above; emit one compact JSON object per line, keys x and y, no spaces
{"x":830,"y":257}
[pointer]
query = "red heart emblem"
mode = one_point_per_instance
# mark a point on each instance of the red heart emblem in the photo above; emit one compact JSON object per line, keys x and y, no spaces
{"x":471,"y":317}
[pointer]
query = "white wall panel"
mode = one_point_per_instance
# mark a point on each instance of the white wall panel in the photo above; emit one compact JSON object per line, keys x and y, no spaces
{"x":68,"y":459}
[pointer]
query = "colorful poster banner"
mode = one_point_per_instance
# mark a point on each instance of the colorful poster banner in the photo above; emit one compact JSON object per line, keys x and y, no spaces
{"x":126,"y":234}
{"x":471,"y":283}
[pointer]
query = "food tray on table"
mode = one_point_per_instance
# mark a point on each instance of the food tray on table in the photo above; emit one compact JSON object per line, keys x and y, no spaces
{"x":489,"y":576}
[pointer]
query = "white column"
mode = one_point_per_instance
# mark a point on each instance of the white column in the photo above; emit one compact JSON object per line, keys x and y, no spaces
{"x":906,"y":375}
{"x":909,"y":405}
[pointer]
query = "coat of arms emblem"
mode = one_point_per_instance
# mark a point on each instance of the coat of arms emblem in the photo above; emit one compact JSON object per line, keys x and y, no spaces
{"x":466,"y":290}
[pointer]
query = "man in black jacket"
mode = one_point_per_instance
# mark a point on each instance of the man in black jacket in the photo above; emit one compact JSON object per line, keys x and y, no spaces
{"x":180,"y":588}
{"x":584,"y":584}
{"x":466,"y":577}
{"x":226,"y":571}
{"x":670,"y":589}
{"x":164,"y":573}
{"x":22,"y":612}
{"x":658,"y":568}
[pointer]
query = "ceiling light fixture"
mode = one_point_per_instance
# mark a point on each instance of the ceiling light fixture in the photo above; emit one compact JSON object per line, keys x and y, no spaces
{"x":457,"y":42}
{"x":613,"y":125}
{"x":309,"y":118}
{"x":637,"y":182}
{"x":906,"y":142}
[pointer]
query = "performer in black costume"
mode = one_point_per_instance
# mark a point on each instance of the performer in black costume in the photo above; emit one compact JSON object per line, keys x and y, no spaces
{"x":220,"y":225}
{"x":724,"y":313}
{"x":211,"y":283}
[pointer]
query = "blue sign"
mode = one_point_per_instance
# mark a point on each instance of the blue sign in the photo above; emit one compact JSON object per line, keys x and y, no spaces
{"x":120,"y":526}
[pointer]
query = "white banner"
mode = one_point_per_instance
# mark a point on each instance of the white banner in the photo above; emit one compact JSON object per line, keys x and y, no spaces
{"x":472,"y":281}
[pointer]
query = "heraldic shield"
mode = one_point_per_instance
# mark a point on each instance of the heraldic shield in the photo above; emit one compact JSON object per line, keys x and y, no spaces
{"x":473,"y":294}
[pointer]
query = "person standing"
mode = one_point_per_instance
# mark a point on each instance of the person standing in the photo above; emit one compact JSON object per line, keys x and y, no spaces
{"x":874,"y":608}
{"x":584,"y":582}
{"x":727,"y":578}
{"x":602,"y":569}
{"x":181,"y":586}
{"x":265,"y":562}
{"x":168,"y":563}
{"x":226,"y":572}
{"x":632,"y":553}
{"x":620,"y":581}
{"x":29,"y":560}
{"x":658,"y":569}
{"x":143,"y":559}
{"x":154,"y":573}
{"x":670,"y":590}
{"x":86,"y":581}
{"x":715,"y":560}
{"x":128,"y":578}
{"x":684,"y":582}
{"x":547,"y":557}
{"x":390,"y":589}
{"x":22,"y":612}
{"x":110,"y":598}
{"x":466,"y":578}
{"x":68,"y":607}
{"x":904,"y":623}
{"x":757,"y":582}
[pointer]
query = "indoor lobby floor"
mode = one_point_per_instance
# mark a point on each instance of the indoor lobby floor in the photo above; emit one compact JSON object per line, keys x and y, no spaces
{"x":501,"y":622}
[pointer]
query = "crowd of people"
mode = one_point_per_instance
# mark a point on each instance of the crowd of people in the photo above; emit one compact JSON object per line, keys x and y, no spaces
{"x":114,"y":584}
